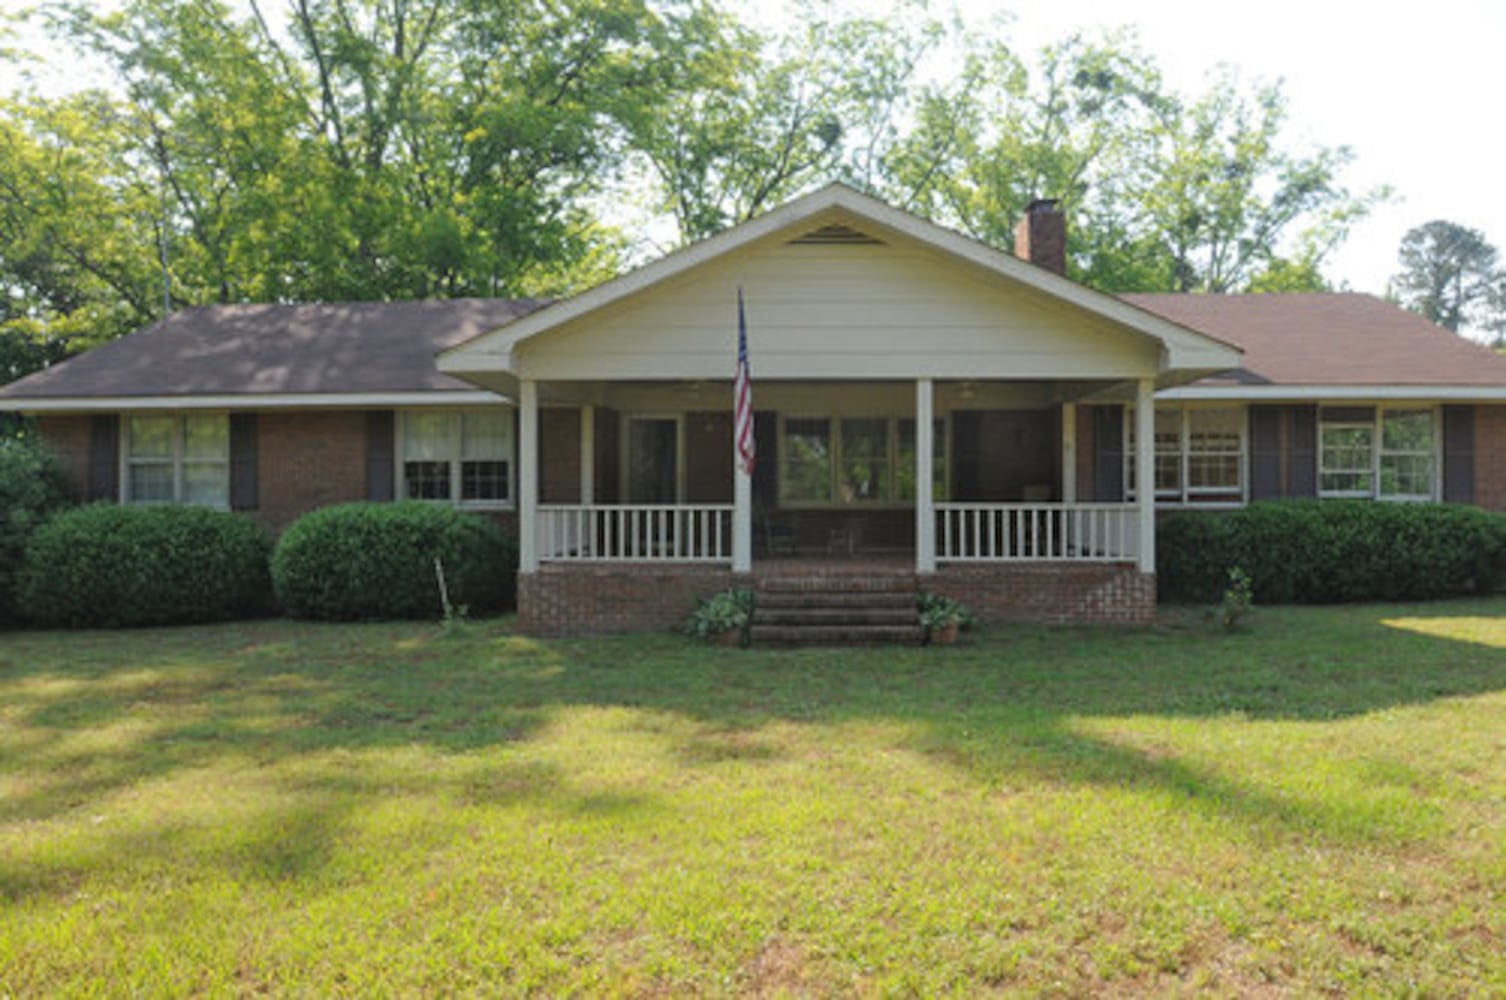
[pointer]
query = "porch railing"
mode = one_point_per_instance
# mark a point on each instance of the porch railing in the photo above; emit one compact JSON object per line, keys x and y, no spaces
{"x":1022,"y":532}
{"x":635,"y":533}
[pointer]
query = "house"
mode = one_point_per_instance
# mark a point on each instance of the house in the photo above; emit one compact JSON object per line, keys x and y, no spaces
{"x":922,"y":401}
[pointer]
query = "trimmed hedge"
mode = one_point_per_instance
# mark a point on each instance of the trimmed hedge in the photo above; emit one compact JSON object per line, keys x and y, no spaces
{"x":110,"y":566}
{"x":1332,"y":551}
{"x":376,"y":560}
{"x":32,"y":488}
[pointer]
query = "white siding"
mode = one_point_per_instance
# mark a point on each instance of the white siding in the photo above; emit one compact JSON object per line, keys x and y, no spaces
{"x":864,"y":311}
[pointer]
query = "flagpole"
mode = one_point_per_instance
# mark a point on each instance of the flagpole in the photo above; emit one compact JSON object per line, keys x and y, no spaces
{"x":742,"y":451}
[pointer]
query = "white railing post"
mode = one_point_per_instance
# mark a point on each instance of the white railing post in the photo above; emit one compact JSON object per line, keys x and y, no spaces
{"x":1145,"y":472}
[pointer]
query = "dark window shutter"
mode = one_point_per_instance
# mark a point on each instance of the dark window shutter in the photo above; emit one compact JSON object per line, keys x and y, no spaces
{"x":104,"y":458}
{"x":1265,"y":452}
{"x":381,"y":448}
{"x":1459,"y":454}
{"x":1108,"y":454}
{"x":1302,"y":453}
{"x":243,"y":491}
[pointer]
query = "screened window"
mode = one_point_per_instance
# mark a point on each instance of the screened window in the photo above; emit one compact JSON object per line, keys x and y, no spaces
{"x":1378,"y":452}
{"x":174,"y":458}
{"x":462,"y":457}
{"x":852,"y":461}
{"x":1199,"y":454}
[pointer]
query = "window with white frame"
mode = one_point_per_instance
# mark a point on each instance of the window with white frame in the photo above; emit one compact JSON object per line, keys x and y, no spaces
{"x":1199,"y":454}
{"x":1385,"y":452}
{"x":852,"y":461}
{"x":177,"y":458}
{"x":458,"y":456}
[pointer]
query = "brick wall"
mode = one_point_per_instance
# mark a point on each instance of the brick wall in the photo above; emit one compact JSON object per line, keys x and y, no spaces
{"x":68,"y":437}
{"x":308,"y":459}
{"x":609,"y":598}
{"x":1060,"y":594}
{"x":1490,"y":457}
{"x":559,"y":455}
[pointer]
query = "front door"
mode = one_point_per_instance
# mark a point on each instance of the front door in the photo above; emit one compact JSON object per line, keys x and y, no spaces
{"x":653,"y":460}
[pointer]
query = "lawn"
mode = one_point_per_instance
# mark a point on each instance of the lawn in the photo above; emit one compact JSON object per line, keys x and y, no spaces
{"x":1313,"y":804}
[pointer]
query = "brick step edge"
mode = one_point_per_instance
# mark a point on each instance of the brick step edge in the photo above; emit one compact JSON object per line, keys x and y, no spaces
{"x":836,"y":584}
{"x":837,"y":635}
{"x":834,"y":599}
{"x":904,"y":617}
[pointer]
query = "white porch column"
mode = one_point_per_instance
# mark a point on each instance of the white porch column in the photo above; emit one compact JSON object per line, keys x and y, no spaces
{"x":925,"y":473}
{"x":742,"y":514}
{"x":587,"y":454}
{"x":528,"y":475}
{"x":1145,"y":471}
{"x":1069,"y":453}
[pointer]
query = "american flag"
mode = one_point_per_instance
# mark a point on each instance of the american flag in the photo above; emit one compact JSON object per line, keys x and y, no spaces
{"x":742,"y":391}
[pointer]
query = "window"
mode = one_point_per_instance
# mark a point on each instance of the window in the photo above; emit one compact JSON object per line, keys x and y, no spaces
{"x":1377,"y":452}
{"x":462,"y":457}
{"x":178,"y":459}
{"x":1199,"y":454}
{"x":853,"y":461}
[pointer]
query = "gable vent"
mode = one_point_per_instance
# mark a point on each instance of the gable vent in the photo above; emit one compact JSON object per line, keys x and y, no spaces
{"x":837,"y":235}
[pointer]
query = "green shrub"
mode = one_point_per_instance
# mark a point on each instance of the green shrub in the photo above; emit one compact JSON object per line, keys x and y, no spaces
{"x":1331,"y":551}
{"x":111,"y":566}
{"x":32,"y":489}
{"x":376,"y":560}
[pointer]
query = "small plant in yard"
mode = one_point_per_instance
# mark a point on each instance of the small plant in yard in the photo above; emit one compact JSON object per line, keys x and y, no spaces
{"x":942,"y":617}
{"x":452,"y":618}
{"x":722,"y":615}
{"x":1238,"y":599}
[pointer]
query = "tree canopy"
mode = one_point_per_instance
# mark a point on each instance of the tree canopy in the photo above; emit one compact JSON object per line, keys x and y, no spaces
{"x":390,"y":149}
{"x":1450,"y":275}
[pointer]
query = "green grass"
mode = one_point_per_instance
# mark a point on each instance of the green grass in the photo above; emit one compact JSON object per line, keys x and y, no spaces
{"x":1313,"y":804}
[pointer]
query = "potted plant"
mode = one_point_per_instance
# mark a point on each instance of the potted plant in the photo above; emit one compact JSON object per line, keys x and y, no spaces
{"x":942,"y":618}
{"x":722,"y":618}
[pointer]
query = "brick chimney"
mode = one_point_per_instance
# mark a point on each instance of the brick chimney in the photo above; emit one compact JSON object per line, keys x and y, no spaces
{"x":1041,"y":236}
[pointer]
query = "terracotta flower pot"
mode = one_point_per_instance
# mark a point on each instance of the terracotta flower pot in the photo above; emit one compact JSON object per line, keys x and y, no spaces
{"x":731,"y":637}
{"x":946,"y":634}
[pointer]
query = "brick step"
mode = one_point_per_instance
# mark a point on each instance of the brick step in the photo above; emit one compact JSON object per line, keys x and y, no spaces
{"x":835,"y":599}
{"x":836,"y":584}
{"x":836,"y":616}
{"x":837,"y":635}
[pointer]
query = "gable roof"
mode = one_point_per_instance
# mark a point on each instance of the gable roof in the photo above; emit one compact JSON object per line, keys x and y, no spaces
{"x":839,"y":204}
{"x":1328,"y":339}
{"x":355,"y":349}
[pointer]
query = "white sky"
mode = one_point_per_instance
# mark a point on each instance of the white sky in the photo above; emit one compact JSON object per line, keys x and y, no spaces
{"x":1412,"y":88}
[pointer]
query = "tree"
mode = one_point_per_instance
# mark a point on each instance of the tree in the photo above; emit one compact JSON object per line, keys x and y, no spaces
{"x":1449,"y":275}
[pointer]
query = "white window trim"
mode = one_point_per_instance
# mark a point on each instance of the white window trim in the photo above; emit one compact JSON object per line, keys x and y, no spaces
{"x":624,"y":471}
{"x":1209,"y":497}
{"x":179,"y":460}
{"x":399,"y":445}
{"x":944,"y":454}
{"x":1378,"y":449}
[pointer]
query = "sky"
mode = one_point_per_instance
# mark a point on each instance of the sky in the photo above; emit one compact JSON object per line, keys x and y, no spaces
{"x":1411,"y":88}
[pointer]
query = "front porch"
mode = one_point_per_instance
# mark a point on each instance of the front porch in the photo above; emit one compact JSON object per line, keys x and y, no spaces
{"x":629,"y":512}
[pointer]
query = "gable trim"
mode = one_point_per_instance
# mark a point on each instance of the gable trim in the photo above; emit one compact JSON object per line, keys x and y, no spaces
{"x":1182,"y":347}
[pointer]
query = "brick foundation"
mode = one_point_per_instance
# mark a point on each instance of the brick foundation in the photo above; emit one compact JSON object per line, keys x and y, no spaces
{"x":1091,"y":593}
{"x":608,"y":598}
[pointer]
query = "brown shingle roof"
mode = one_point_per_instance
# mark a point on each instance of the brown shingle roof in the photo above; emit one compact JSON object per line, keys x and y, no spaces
{"x":1329,"y":339}
{"x":351,"y":347}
